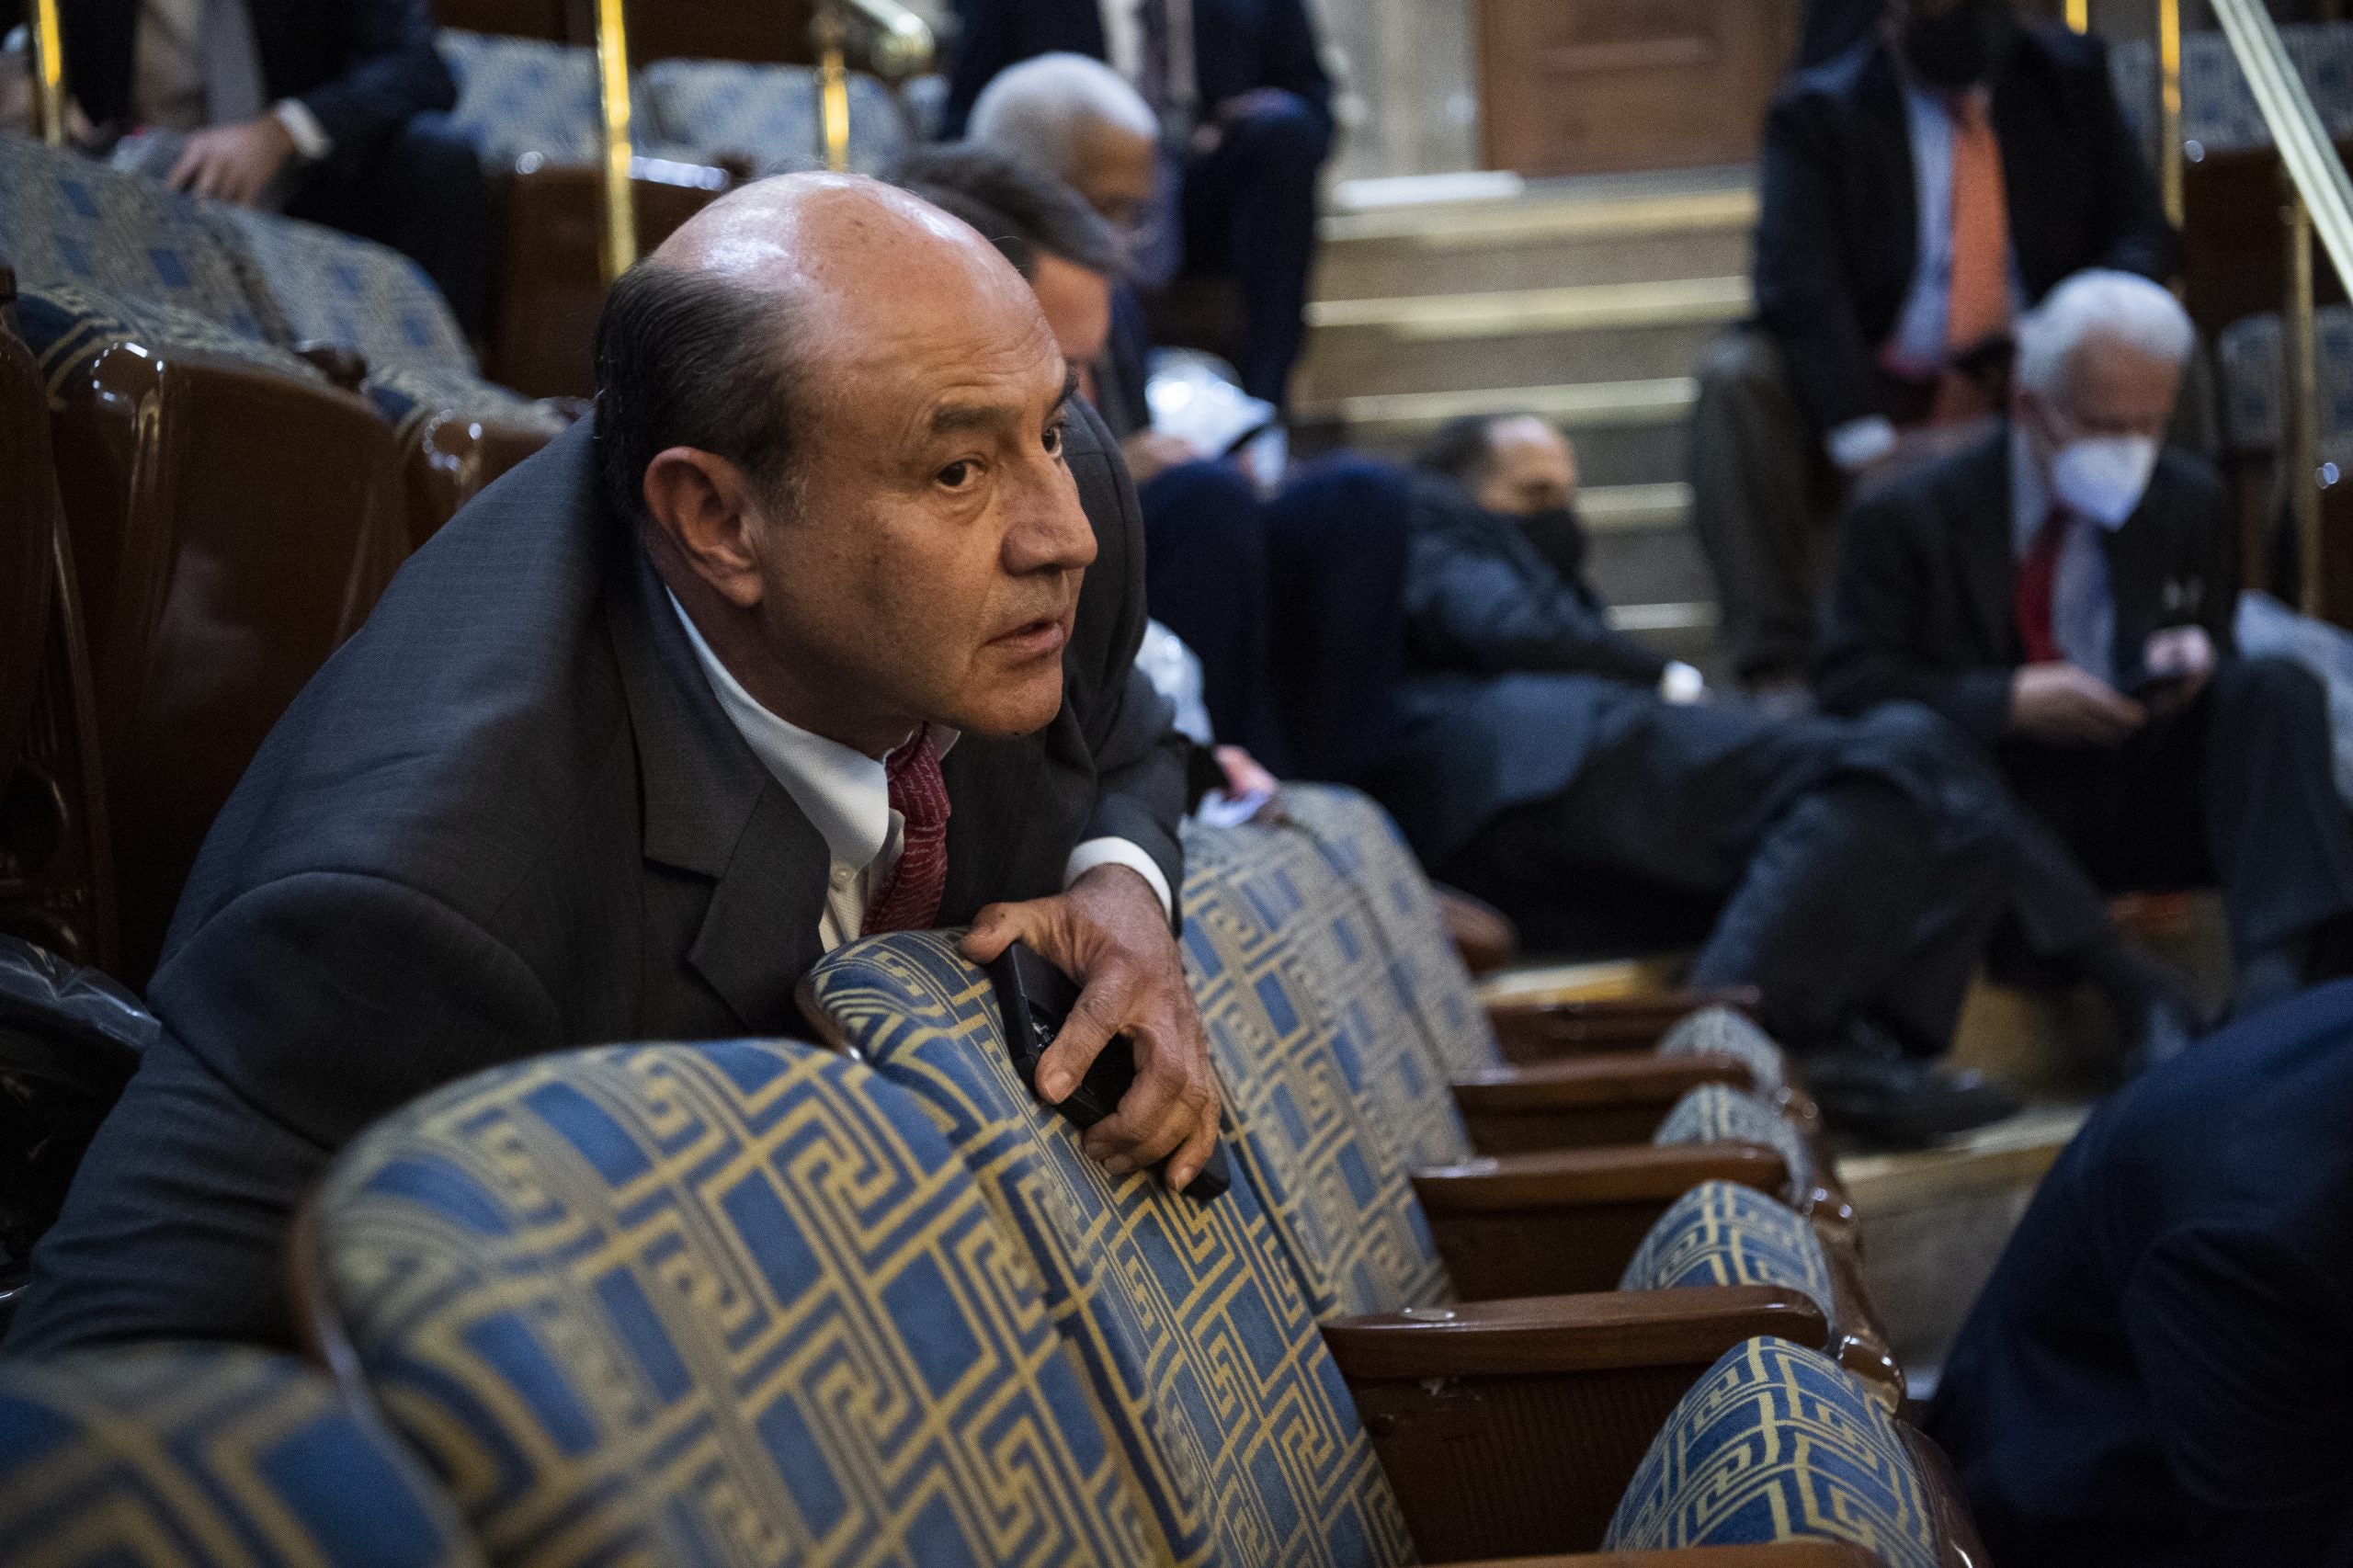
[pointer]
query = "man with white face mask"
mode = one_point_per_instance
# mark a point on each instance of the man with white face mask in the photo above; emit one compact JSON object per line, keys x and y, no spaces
{"x":2065,"y":591}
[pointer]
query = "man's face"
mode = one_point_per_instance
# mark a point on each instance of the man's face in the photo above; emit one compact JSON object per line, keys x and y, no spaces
{"x":927,"y":561}
{"x":1077,"y":305}
{"x":1530,"y":469}
{"x":2111,"y":388}
{"x":1114,"y":169}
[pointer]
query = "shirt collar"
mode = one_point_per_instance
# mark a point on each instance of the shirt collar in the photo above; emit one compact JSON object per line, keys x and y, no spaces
{"x":845,"y":793}
{"x":2030,"y":494}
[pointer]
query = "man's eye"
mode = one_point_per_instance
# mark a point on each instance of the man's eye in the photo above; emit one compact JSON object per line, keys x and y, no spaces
{"x":1054,"y":434}
{"x":954,"y":475}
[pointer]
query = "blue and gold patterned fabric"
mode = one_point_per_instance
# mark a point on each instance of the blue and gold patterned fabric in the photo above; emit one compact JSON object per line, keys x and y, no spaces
{"x":2255,"y":390}
{"x":1295,"y":1072}
{"x":521,"y":96}
{"x":1717,"y":1113}
{"x":69,"y":325}
{"x":1720,"y":1233}
{"x":66,"y":219}
{"x":169,"y":1455}
{"x":405,"y":394}
{"x":327,"y":287}
{"x":1367,"y":851}
{"x":1194,"y":1332}
{"x":2218,"y":107}
{"x":1775,"y":1443}
{"x":765,"y":114}
{"x":733,"y":1303}
{"x":1721,"y":1031}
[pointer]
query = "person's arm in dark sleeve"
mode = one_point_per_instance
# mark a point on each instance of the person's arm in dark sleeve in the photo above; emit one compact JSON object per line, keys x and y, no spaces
{"x":2139,"y":236}
{"x":1293,"y":61}
{"x":1803,"y":295}
{"x":2246,"y":1373}
{"x":395,"y":72}
{"x":1868,"y":654}
{"x":2217,"y":565}
{"x":983,"y":46}
{"x":1470,"y":610}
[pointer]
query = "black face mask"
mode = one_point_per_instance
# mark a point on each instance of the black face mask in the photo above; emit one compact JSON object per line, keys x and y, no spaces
{"x":1559,"y":537}
{"x":1959,"y":48}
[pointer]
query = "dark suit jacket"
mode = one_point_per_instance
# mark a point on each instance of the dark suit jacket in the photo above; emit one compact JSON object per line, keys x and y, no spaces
{"x":361,"y":66}
{"x":1238,"y":45}
{"x":1837,"y":234}
{"x":2159,"y":1371}
{"x":1922,"y":607}
{"x":507,"y":817}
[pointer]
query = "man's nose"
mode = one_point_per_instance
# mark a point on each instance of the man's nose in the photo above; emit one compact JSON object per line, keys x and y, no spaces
{"x":1050,"y":531}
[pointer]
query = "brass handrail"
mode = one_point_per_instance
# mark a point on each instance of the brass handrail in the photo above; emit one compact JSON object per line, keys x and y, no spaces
{"x":48,"y":72}
{"x":618,"y":248}
{"x":2170,"y":152}
{"x":2321,"y":205}
{"x":2079,"y":15}
{"x":902,"y":45}
{"x":828,"y":28}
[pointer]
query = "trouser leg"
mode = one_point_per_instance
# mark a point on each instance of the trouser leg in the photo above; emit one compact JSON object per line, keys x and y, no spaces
{"x":1249,"y":212}
{"x":1753,"y":477}
{"x":1206,"y":580}
{"x":2276,"y":830}
{"x":426,"y":197}
{"x":1336,"y":547}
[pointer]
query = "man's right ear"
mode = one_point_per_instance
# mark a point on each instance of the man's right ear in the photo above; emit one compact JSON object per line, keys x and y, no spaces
{"x":702,"y":505}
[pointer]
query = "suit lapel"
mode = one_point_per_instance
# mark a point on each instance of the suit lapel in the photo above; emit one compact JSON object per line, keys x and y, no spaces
{"x":712,"y":809}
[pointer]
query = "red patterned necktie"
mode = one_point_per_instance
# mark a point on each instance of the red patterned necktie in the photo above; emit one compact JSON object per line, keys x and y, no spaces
{"x":910,"y":899}
{"x":2038,"y":576}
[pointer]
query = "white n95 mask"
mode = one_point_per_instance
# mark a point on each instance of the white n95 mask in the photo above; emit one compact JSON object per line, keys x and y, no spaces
{"x":2104,"y":477}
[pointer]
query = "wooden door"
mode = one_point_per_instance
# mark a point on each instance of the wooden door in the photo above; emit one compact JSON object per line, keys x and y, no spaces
{"x":1594,"y":86}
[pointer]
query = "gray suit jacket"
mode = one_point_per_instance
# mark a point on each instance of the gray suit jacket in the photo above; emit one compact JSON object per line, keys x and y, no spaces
{"x":509,"y":817}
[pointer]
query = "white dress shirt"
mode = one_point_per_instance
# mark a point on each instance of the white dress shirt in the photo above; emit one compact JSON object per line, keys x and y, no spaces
{"x":2083,"y":612}
{"x":1917,"y":347}
{"x":194,"y":64}
{"x":846,"y":795}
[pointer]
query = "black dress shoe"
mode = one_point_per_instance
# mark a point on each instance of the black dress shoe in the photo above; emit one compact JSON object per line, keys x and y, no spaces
{"x":1871,"y":1092}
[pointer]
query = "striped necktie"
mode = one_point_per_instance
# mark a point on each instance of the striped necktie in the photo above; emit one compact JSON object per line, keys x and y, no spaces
{"x":910,"y":899}
{"x":2037,"y":582}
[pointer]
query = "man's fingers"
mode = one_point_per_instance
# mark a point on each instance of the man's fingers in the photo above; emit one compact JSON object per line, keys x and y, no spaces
{"x":1151,"y":1121}
{"x":997,"y":927}
{"x":1186,"y":1162}
{"x":184,"y":171}
{"x":1094,"y":1019}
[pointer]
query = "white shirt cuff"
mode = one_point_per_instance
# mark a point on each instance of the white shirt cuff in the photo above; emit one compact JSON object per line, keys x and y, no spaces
{"x":1859,"y":443}
{"x":1680,"y":685}
{"x":311,"y":137}
{"x":1121,"y":852}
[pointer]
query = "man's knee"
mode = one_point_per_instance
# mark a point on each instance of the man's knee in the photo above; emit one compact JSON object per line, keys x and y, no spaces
{"x":1744,"y":366}
{"x":1281,"y":130}
{"x":2271,"y":685}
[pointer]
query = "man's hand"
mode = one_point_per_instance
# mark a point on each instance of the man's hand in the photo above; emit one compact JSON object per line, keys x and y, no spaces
{"x":2064,"y":705}
{"x":1109,"y":934}
{"x":2179,"y":661}
{"x":234,"y":163}
{"x":1150,"y":452}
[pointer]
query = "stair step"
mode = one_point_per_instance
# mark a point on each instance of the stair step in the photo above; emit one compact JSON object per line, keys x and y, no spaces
{"x":1356,"y":363}
{"x":1582,"y":307}
{"x":1661,"y":400}
{"x":1442,"y":264}
{"x":1614,"y":508}
{"x":1544,"y":213}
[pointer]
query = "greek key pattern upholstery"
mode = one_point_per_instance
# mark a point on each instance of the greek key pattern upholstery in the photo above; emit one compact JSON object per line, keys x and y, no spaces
{"x":725,"y":1303}
{"x":69,"y":325}
{"x":67,"y":219}
{"x":518,"y":96}
{"x":1185,"y":1314}
{"x":1721,"y":1031}
{"x":171,"y":1455}
{"x":1367,"y":851}
{"x":766,"y":114}
{"x":1282,"y":883}
{"x":1723,"y":1233}
{"x":405,"y":394}
{"x":1775,"y":1444}
{"x":331,"y":287}
{"x":2255,"y":390}
{"x":1717,"y":1113}
{"x":1333,"y":1187}
{"x":2217,"y":108}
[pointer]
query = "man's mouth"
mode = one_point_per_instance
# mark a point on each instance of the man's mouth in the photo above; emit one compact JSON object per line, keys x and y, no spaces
{"x":1035,"y":638}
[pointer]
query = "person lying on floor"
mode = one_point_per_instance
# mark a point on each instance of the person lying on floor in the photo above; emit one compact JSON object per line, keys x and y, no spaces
{"x":1852,"y":871}
{"x":730,"y":674}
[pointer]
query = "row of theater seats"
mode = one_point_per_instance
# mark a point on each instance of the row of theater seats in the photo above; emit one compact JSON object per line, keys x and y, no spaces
{"x":233,"y":427}
{"x":760,"y":1301}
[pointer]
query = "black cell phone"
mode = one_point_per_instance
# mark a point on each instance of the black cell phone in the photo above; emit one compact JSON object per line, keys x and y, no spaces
{"x":1035,"y":997}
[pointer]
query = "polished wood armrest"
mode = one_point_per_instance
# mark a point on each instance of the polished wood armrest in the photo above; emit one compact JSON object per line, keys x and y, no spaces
{"x":1568,"y":1220}
{"x":447,"y":458}
{"x":1538,"y":1032}
{"x":1510,"y":1428}
{"x":1584,"y":1101}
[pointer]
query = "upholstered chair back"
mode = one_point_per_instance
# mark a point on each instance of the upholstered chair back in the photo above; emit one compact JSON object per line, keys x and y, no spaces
{"x":765,"y":115}
{"x":1194,"y":1332}
{"x":1717,"y":1113}
{"x":734,"y":1303}
{"x":171,"y":1455}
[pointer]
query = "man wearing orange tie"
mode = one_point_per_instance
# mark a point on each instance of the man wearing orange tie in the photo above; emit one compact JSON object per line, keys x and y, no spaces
{"x":1919,"y":190}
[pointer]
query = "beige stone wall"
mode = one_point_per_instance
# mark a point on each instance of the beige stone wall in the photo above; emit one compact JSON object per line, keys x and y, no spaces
{"x":1408,"y":102}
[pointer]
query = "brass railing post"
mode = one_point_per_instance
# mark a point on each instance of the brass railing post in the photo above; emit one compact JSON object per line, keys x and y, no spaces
{"x":619,"y":247}
{"x":2169,"y":165}
{"x":2300,"y":356}
{"x":48,"y":72}
{"x":833,"y":85}
{"x":2079,"y":15}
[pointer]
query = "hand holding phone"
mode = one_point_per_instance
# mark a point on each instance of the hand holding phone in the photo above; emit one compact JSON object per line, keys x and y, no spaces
{"x":2174,"y":664}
